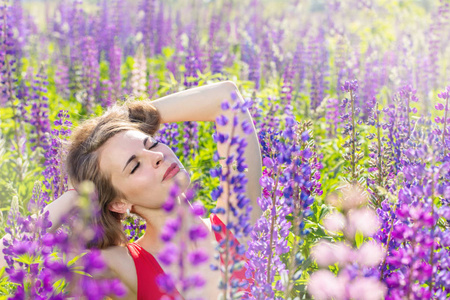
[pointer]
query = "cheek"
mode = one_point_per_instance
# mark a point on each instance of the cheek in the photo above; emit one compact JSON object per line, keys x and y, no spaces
{"x":140,"y":187}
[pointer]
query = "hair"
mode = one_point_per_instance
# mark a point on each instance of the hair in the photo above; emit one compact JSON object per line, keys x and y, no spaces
{"x":83,"y":160}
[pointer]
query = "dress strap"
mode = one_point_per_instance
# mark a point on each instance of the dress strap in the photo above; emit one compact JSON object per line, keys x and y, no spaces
{"x":147,"y":271}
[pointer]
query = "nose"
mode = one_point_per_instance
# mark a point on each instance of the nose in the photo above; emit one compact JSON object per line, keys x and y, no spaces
{"x":156,"y":158}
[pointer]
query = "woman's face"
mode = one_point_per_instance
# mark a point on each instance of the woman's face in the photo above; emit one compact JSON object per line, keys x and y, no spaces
{"x":142,"y":170}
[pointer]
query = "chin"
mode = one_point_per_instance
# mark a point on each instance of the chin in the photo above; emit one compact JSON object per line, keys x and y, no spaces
{"x":184,"y":180}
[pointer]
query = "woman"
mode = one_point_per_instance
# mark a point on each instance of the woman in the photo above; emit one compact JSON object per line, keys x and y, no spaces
{"x":133,"y":174}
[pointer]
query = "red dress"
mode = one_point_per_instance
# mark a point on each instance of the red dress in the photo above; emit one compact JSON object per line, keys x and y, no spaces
{"x":148,"y":268}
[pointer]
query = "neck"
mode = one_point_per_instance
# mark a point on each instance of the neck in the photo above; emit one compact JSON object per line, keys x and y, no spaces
{"x":155,"y":220}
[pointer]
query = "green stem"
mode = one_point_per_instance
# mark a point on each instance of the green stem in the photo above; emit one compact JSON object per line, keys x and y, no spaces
{"x":11,"y":98}
{"x":391,"y":227}
{"x":380,"y":165}
{"x":353,"y":138}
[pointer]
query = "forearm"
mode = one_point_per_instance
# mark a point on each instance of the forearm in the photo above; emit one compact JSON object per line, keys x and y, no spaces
{"x":196,"y":104}
{"x":61,"y":207}
{"x":204,"y":104}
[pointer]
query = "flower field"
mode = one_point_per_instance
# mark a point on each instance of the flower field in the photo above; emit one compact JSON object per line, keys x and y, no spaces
{"x":350,"y":101}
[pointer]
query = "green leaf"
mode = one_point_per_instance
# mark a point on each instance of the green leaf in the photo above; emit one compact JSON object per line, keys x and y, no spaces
{"x":359,"y":238}
{"x":72,"y":261}
{"x":26,"y":259}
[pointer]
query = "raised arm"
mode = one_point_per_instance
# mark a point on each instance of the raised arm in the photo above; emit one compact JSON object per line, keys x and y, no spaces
{"x":204,"y":104}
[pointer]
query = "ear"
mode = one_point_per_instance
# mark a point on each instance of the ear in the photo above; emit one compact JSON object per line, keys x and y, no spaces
{"x":119,"y":206}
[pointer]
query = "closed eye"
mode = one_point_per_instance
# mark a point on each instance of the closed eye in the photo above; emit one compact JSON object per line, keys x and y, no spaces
{"x":155,"y":143}
{"x":135,"y":167}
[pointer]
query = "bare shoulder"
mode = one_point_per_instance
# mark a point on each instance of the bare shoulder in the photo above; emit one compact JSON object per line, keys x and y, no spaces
{"x":113,"y":253}
{"x":120,"y":265}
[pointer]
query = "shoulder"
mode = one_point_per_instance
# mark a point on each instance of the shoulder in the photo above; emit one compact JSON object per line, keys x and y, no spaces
{"x":120,"y":265}
{"x":117,"y":258}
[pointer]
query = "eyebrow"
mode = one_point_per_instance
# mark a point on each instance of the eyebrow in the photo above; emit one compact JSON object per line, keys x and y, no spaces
{"x":132,"y":157}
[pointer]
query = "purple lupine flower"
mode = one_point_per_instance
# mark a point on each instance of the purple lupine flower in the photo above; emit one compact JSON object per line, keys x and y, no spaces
{"x":251,"y":57}
{"x":412,"y":260}
{"x":399,"y":123}
{"x":39,"y":118}
{"x":271,"y":121}
{"x":115,"y":62}
{"x":167,"y":39}
{"x":408,"y":95}
{"x":120,"y":26}
{"x":160,"y":29}
{"x":287,"y":88}
{"x":369,"y":88}
{"x":38,"y":199}
{"x":62,"y":79}
{"x":217,"y":62}
{"x":7,"y":56}
{"x":37,"y":258}
{"x":19,"y":24}
{"x":60,"y":24}
{"x":24,"y":240}
{"x":231,"y":255}
{"x":434,"y":39}
{"x":91,"y":73}
{"x":332,"y":116}
{"x":191,"y":136}
{"x":444,"y":133}
{"x":55,"y":176}
{"x":168,"y":135}
{"x":193,"y":61}
{"x":77,"y":35}
{"x":290,"y":180}
{"x":318,"y":67}
{"x":216,"y":53}
{"x":410,"y":267}
{"x":24,"y":93}
{"x":105,"y":28}
{"x":381,"y":170}
{"x":148,"y":26}
{"x":173,"y":64}
{"x":340,"y":63}
{"x":351,"y":117}
{"x":178,"y":235}
{"x":105,"y":93}
{"x":267,"y":52}
{"x":193,"y":65}
{"x":153,"y":84}
{"x":298,"y":67}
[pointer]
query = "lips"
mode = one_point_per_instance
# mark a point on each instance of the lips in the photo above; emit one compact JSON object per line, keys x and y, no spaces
{"x":171,"y":171}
